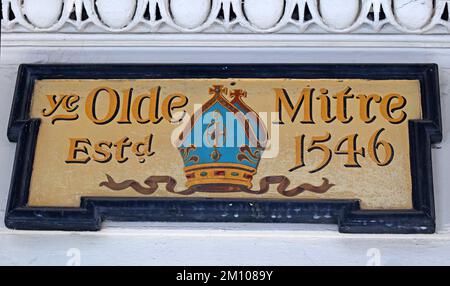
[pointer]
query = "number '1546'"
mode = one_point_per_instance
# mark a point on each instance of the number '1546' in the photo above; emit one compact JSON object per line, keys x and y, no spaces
{"x":380,"y":151}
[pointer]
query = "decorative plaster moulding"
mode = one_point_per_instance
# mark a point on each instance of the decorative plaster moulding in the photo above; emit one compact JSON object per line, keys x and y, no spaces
{"x":226,"y":16}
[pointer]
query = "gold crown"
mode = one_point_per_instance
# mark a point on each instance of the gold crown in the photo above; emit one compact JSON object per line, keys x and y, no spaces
{"x":224,"y":176}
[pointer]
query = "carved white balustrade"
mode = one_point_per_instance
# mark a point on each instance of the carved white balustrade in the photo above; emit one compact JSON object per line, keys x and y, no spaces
{"x":189,"y":14}
{"x":114,"y":13}
{"x":43,"y":15}
{"x":339,"y":14}
{"x":226,"y":16}
{"x":264,"y":18}
{"x":413,"y":14}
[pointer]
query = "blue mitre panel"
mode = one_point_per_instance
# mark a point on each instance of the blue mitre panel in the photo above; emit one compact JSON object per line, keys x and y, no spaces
{"x":219,"y":138}
{"x":223,"y":142}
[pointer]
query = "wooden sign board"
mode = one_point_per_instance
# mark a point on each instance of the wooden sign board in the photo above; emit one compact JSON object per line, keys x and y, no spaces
{"x":345,"y":144}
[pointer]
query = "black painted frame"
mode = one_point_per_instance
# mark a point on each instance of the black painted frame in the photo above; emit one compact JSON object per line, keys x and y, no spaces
{"x":346,"y":213}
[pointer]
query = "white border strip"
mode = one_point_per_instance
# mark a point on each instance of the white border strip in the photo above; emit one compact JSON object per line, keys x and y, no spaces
{"x":223,"y":40}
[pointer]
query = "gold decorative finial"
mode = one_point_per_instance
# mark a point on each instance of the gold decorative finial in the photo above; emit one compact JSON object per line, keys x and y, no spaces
{"x":238,"y":93}
{"x":218,"y":90}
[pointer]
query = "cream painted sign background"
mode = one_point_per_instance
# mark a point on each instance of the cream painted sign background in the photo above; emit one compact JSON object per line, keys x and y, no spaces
{"x":55,"y":182}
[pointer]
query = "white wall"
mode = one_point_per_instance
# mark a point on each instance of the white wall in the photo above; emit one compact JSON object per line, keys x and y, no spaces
{"x":242,"y":244}
{"x":168,"y":243}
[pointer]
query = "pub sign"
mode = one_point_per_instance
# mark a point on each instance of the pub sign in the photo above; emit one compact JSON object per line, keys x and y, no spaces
{"x":344,"y":144}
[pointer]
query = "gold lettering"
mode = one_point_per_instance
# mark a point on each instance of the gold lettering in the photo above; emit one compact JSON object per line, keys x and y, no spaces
{"x":364,"y":106}
{"x":74,"y":149}
{"x":282,"y":100}
{"x":112,"y":109}
{"x":171,"y":102}
{"x":153,"y":99}
{"x":341,"y":102}
{"x":105,"y":154}
{"x":393,"y":102}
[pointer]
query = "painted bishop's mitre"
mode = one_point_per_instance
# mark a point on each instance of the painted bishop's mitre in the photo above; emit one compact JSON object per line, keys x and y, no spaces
{"x":222,"y":144}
